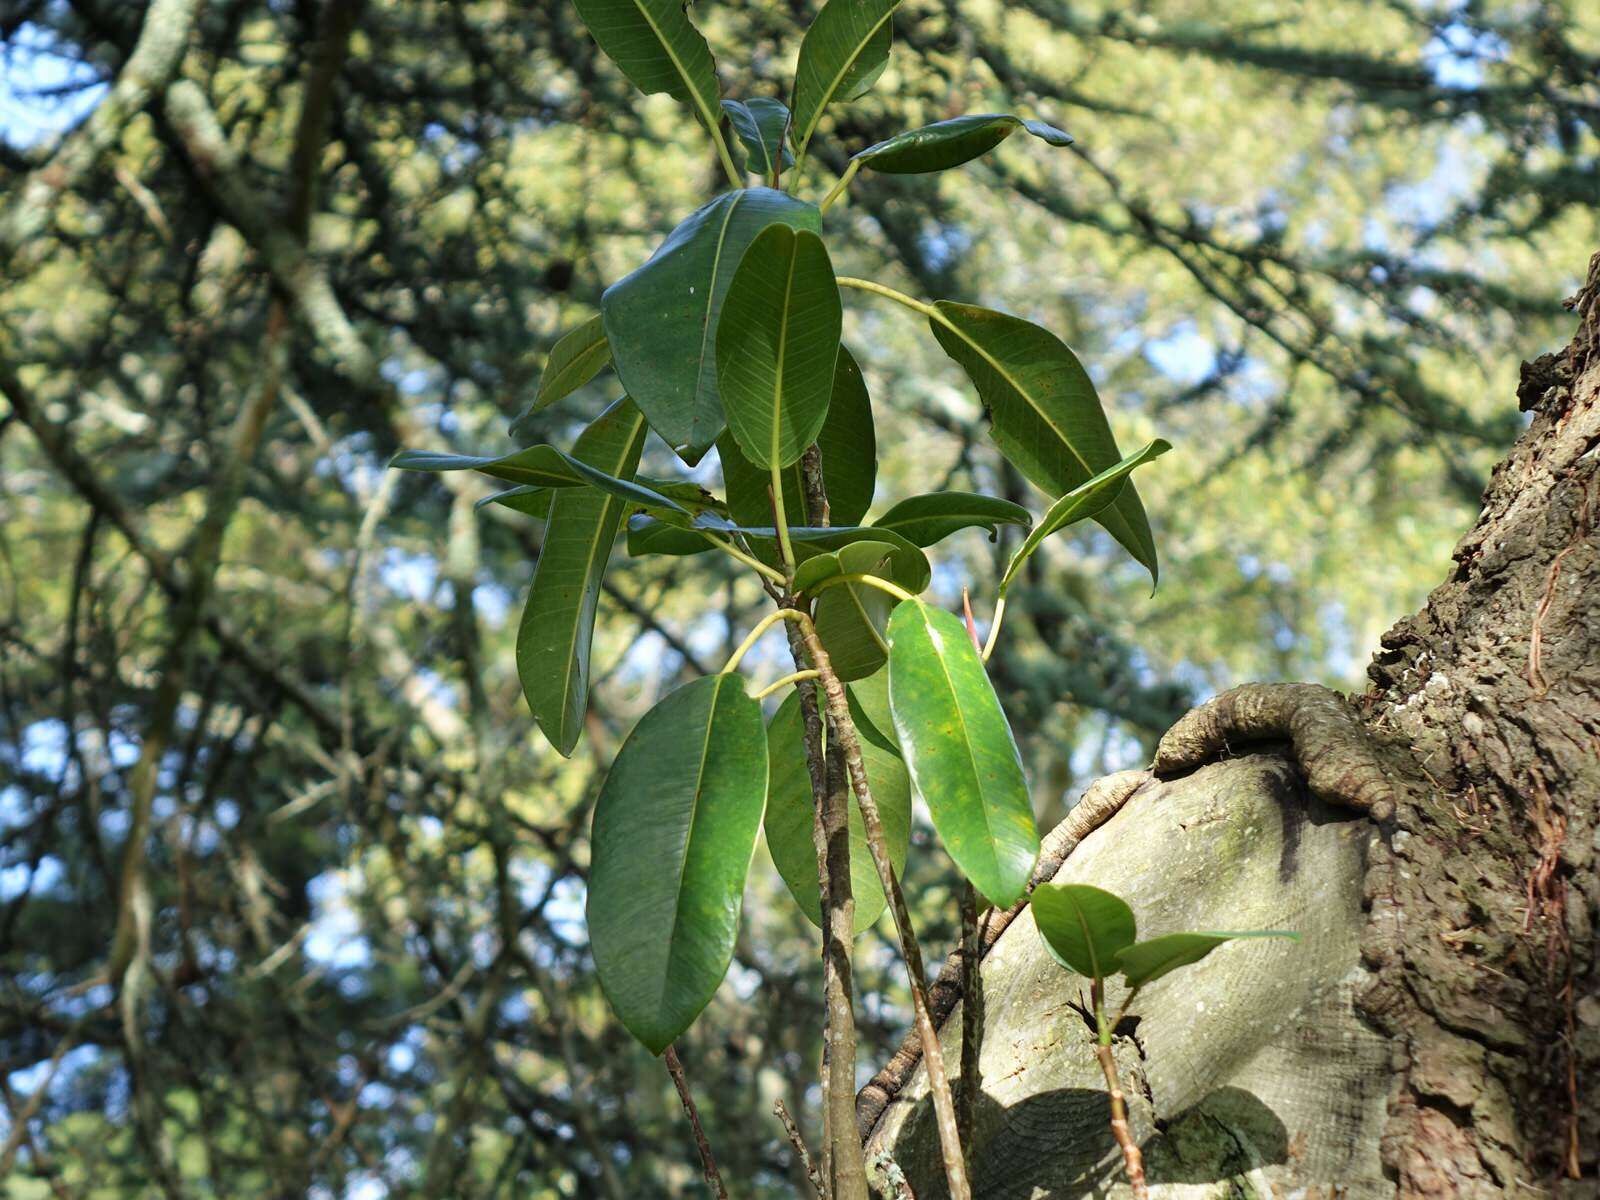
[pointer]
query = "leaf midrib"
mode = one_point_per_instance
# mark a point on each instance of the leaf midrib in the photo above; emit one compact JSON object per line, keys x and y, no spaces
{"x":854,"y":591}
{"x":548,"y":383}
{"x":677,"y":63}
{"x":588,"y":569}
{"x":1088,"y":937}
{"x":688,"y":838}
{"x":761,"y":140}
{"x":1017,"y":387}
{"x":783,"y":346}
{"x":833,"y":87}
{"x":966,"y":742}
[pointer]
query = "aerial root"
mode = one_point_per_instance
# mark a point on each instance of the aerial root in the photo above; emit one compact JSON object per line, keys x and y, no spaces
{"x":1338,"y":757}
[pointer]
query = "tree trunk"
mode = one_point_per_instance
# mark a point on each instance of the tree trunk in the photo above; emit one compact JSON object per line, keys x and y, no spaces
{"x":1437,"y":1031}
{"x":1483,"y":893}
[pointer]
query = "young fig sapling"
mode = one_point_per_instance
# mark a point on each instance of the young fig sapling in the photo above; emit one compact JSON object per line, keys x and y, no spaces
{"x":1090,"y":931}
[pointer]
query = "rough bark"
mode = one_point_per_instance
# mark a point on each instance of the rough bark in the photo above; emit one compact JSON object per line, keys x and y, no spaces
{"x":1437,"y":1034}
{"x":1483,"y":892}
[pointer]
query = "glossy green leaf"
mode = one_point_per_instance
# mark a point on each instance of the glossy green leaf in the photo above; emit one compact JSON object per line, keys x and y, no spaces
{"x":763,"y":128}
{"x":852,"y":621}
{"x":1150,"y":960}
{"x":869,"y":707}
{"x":578,"y":357}
{"x":690,"y":496}
{"x":777,"y":343}
{"x":1083,"y":927}
{"x":790,"y":811}
{"x":858,"y":557}
{"x":849,"y":460}
{"x":946,"y":144}
{"x":924,"y":520}
{"x":852,"y":618}
{"x":848,"y":444}
{"x":539,"y":466}
{"x":532,"y":501}
{"x":958,"y":746}
{"x":648,"y":535}
{"x":674,"y":831}
{"x":908,"y":565}
{"x":557,"y":626}
{"x":1047,"y":418}
{"x":661,"y":320}
{"x":1084,"y":501}
{"x":658,"y":49}
{"x":841,"y":56}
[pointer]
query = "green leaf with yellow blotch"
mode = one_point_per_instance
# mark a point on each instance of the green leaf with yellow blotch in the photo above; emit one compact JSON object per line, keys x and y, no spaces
{"x":959,"y":749}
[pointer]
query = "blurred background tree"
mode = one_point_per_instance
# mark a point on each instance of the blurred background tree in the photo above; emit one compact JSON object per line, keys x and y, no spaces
{"x":290,"y":891}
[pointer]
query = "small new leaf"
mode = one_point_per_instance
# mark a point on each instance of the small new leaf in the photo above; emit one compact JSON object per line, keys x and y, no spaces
{"x":1083,"y":927}
{"x":863,"y":558}
{"x":763,"y":128}
{"x":924,"y":520}
{"x":578,"y":357}
{"x":1151,"y":959}
{"x":946,"y":144}
{"x":1082,"y":502}
{"x":852,"y":617}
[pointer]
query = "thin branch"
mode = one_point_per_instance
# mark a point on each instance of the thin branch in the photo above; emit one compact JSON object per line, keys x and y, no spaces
{"x":155,"y":60}
{"x":130,"y":939}
{"x":708,"y":1161}
{"x":792,"y":1131}
{"x":1132,"y":1157}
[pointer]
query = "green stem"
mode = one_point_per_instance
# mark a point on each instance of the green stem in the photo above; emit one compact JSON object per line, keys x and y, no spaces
{"x":1132,"y":1157}
{"x":722,"y":153}
{"x":748,"y":560}
{"x":792,"y":677}
{"x":880,"y":289}
{"x":839,"y":187}
{"x":994,"y":631}
{"x":780,"y":521}
{"x":883,"y":585}
{"x":1123,"y":1011}
{"x":754,"y":636}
